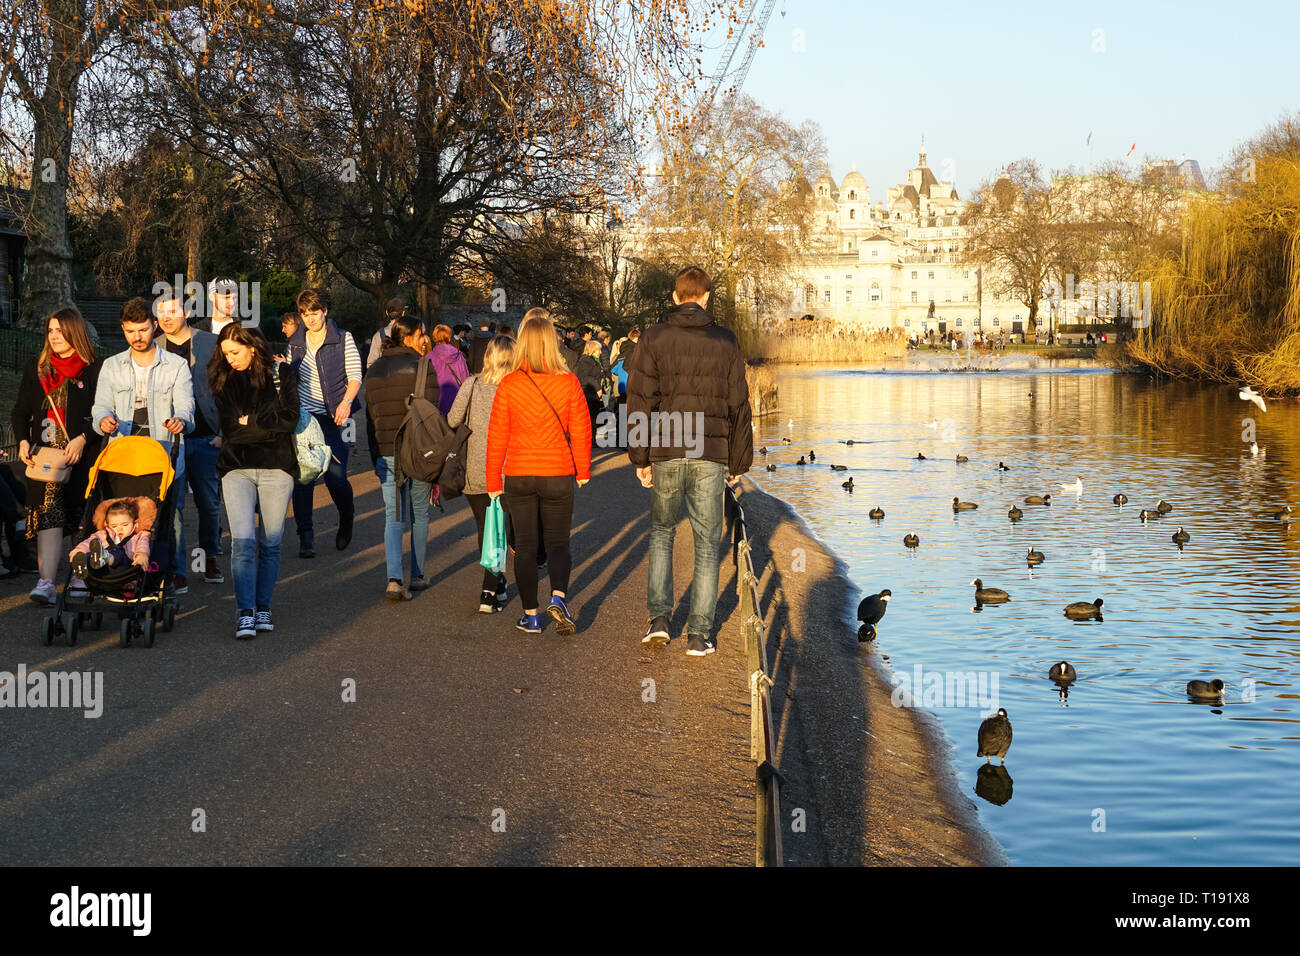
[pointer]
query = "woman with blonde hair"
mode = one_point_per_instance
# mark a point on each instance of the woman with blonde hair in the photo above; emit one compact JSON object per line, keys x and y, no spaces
{"x":53,"y":409}
{"x":539,"y":441}
{"x":473,"y":406}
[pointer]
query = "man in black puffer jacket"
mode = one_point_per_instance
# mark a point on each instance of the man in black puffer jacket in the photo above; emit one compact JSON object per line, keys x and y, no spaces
{"x":689,"y":431}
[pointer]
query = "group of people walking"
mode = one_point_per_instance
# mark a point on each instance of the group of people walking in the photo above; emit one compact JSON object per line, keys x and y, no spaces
{"x":529,"y":402}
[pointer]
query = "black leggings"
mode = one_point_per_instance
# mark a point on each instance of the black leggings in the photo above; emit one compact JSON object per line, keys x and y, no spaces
{"x":546,"y":501}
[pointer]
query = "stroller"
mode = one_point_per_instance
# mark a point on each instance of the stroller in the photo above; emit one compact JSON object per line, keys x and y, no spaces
{"x":131,"y":466}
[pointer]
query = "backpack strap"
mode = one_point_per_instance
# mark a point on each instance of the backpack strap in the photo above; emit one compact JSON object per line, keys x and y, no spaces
{"x":421,"y":380}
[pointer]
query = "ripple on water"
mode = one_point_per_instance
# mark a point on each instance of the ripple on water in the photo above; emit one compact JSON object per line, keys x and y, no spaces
{"x":1172,"y":781}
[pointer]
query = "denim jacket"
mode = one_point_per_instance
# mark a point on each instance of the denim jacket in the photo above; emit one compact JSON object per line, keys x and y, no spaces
{"x":171,"y":394}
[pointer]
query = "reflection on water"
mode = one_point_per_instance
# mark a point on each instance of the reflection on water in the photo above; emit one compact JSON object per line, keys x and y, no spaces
{"x":1119,"y":760}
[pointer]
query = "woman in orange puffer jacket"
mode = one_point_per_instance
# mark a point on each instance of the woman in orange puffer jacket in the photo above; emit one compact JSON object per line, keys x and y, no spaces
{"x":539,"y":441}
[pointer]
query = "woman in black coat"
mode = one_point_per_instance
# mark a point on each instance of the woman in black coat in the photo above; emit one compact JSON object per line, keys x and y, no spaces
{"x":589,"y":375}
{"x":54,"y":410}
{"x":390,"y":381}
{"x":258,"y":464}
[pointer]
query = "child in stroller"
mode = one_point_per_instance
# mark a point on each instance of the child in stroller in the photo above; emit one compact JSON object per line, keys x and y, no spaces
{"x":118,"y":542}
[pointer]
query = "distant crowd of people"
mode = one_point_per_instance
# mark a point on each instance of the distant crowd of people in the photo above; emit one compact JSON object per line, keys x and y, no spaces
{"x":214,"y":391}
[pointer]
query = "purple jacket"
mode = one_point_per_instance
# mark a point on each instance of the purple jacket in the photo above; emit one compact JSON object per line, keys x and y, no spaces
{"x":449,"y":364}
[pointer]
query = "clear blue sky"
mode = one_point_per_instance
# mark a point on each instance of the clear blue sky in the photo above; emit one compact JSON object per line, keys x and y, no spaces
{"x":987,"y":83}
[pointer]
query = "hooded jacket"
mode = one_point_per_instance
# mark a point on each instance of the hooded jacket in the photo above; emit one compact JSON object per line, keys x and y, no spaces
{"x":691,"y":368}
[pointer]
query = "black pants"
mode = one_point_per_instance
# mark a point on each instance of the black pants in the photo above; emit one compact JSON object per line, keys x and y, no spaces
{"x":541,"y":509}
{"x":13,"y":501}
{"x":479,"y":505}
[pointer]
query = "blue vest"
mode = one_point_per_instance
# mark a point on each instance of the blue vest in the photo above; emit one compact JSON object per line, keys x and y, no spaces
{"x":331,"y":369}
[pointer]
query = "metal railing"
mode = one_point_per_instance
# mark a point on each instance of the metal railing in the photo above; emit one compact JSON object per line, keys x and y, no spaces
{"x":767,"y":781}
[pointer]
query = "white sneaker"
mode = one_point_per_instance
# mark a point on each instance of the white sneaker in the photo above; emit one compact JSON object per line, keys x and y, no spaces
{"x":78,"y":588}
{"x":43,"y":593}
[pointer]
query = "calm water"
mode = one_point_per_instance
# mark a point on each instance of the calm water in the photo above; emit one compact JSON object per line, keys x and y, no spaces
{"x":1171,"y":781}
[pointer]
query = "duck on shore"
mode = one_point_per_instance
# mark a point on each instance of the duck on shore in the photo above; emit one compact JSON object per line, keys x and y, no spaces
{"x":995,"y":737}
{"x":870,"y":611}
{"x":1083,"y":611}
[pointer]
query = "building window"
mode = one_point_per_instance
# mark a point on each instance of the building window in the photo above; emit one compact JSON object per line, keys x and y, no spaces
{"x":931,"y":273}
{"x":852,"y":195}
{"x":965,"y":296}
{"x":913,"y":273}
{"x":875,"y":292}
{"x":959,"y":323}
{"x":848,"y":296}
{"x":853,"y":213}
{"x":947,"y":297}
{"x":974,"y":322}
{"x":907,"y":323}
{"x":827,"y":296}
{"x":965,"y":273}
{"x":995,"y":321}
{"x":913,"y":296}
{"x":875,"y":253}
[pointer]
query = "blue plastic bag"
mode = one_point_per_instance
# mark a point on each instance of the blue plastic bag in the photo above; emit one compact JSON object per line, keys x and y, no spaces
{"x":494,"y":538}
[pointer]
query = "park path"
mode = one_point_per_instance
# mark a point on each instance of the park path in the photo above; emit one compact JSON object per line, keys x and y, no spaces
{"x":468,"y":741}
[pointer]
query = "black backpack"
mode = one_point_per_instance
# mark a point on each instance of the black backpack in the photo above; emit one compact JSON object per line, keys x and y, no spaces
{"x":424,"y":439}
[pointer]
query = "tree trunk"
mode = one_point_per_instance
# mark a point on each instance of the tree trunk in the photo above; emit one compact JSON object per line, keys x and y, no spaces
{"x":429,"y":301}
{"x":47,"y":285}
{"x":194,"y":220}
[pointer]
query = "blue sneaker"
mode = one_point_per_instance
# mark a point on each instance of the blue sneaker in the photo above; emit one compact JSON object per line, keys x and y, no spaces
{"x":559,"y":613}
{"x":529,"y":623}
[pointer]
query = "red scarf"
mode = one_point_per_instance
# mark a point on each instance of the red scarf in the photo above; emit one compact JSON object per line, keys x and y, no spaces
{"x":63,"y":370}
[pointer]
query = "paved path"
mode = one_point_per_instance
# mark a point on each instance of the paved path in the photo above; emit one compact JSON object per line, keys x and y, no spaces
{"x":460,"y":721}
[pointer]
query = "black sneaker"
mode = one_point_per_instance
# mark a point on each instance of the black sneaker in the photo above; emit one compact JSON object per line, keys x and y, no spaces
{"x":80,"y":564}
{"x":501,"y":597}
{"x":264,"y":622}
{"x":246,"y":627}
{"x":487,"y":603}
{"x":697,"y":645}
{"x":657,"y":634}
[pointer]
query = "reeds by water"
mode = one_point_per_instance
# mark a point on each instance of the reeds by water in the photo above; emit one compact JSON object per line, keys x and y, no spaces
{"x":825,"y":343}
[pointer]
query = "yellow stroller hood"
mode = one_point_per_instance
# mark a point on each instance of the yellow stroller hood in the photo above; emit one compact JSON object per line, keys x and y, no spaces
{"x":134,"y":455}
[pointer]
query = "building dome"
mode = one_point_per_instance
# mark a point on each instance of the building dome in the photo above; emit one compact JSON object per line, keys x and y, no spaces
{"x":854,"y":180}
{"x":824,"y":186}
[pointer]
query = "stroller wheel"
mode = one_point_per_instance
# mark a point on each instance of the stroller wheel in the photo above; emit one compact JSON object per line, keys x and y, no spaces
{"x":74,"y":627}
{"x":47,"y":631}
{"x":169,"y":618}
{"x":150,"y":625}
{"x":125,"y":631}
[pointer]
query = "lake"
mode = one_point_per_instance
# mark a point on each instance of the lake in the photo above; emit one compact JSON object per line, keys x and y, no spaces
{"x":1123,"y":768}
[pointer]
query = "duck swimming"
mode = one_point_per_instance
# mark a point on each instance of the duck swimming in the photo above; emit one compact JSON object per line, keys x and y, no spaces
{"x":962,"y":459}
{"x":839,"y":467}
{"x":876,"y":512}
{"x":1120,"y":499}
{"x":1164,"y":507}
{"x":1083,"y":611}
{"x":959,"y":505}
{"x":801,"y":461}
{"x":1144,"y":516}
{"x":995,"y":737}
{"x":812,"y":456}
{"x":1283,"y":515}
{"x":920,"y":457}
{"x":1034,"y":557}
{"x":763,"y":450}
{"x":848,"y":485}
{"x":1180,"y":536}
{"x":910,"y":541}
{"x":1213,"y":690}
{"x":1002,"y":467}
{"x":1039,"y":500}
{"x":1077,"y":487}
{"x":1062,"y":672}
{"x":771,"y":467}
{"x":989,"y":595}
{"x":1015,"y":514}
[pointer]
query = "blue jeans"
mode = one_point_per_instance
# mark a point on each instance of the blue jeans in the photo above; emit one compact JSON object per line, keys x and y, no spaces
{"x":336,"y":479}
{"x":201,"y":475}
{"x":700,"y":485}
{"x":255,"y":551}
{"x":415,"y":508}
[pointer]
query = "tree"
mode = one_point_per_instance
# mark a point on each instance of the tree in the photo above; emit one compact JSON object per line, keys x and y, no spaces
{"x":729,"y":200}
{"x":1018,"y":231}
